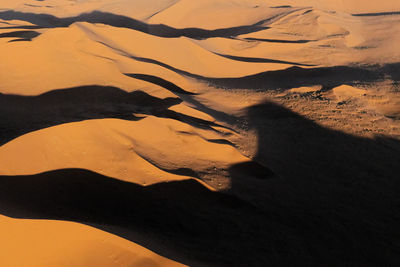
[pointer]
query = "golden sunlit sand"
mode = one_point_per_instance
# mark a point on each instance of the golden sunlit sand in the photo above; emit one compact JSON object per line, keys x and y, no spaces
{"x":55,"y":243}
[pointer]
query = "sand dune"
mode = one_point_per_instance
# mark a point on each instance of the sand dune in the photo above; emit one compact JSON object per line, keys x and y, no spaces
{"x":147,"y":151}
{"x":56,"y":243}
{"x":204,"y":133}
{"x":353,"y":6}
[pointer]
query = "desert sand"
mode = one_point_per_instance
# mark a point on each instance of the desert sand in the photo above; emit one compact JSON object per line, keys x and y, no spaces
{"x":199,"y":133}
{"x":55,"y":243}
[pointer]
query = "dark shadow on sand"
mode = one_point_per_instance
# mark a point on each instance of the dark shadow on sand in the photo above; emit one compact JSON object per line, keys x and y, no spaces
{"x":160,"y":82}
{"x":390,"y":13}
{"x":188,"y":97}
{"x":27,"y":35}
{"x":181,"y":220}
{"x":263,"y":60}
{"x":22,"y":114}
{"x":160,"y":30}
{"x":338,"y":193}
{"x":327,"y":77}
{"x":279,"y":41}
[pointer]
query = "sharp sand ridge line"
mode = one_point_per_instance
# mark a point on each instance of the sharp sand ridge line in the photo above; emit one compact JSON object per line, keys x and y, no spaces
{"x":162,"y":10}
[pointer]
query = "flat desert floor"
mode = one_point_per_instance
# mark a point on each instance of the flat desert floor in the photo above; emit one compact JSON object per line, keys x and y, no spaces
{"x":199,"y":133}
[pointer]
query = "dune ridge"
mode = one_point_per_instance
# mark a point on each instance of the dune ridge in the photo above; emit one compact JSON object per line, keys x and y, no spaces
{"x":69,"y":244}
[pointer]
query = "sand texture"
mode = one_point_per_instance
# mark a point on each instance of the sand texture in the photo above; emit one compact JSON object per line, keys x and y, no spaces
{"x":199,"y":133}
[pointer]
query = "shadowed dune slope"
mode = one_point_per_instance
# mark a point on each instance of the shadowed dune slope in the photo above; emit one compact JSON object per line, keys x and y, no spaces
{"x":185,"y":217}
{"x":345,"y":5}
{"x":328,"y":77}
{"x":23,"y":114}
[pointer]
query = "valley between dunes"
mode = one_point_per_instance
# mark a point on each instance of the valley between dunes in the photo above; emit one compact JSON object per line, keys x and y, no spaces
{"x":199,"y":133}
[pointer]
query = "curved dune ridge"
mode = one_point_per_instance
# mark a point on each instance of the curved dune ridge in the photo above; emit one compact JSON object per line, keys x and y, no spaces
{"x":199,"y":133}
{"x":145,"y":152}
{"x":69,"y":244}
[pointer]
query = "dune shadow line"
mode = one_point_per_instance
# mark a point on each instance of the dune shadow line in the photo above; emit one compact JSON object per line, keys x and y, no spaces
{"x":159,"y":81}
{"x":279,"y":40}
{"x":327,"y":77}
{"x":194,"y":223}
{"x":263,"y":60}
{"x":160,"y":30}
{"x":22,"y":114}
{"x":20,"y":34}
{"x":390,"y":13}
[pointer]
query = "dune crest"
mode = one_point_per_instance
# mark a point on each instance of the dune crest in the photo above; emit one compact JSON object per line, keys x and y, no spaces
{"x":148,"y":151}
{"x":41,"y":243}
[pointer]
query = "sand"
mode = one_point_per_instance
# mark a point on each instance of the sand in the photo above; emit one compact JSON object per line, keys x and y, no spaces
{"x":145,"y":152}
{"x":200,"y":133}
{"x":58,"y":243}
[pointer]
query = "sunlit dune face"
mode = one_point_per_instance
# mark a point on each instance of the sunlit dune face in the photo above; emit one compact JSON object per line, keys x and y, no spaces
{"x":56,"y":243}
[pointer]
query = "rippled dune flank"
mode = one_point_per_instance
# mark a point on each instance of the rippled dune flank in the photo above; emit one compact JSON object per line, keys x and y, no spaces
{"x":199,"y":133}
